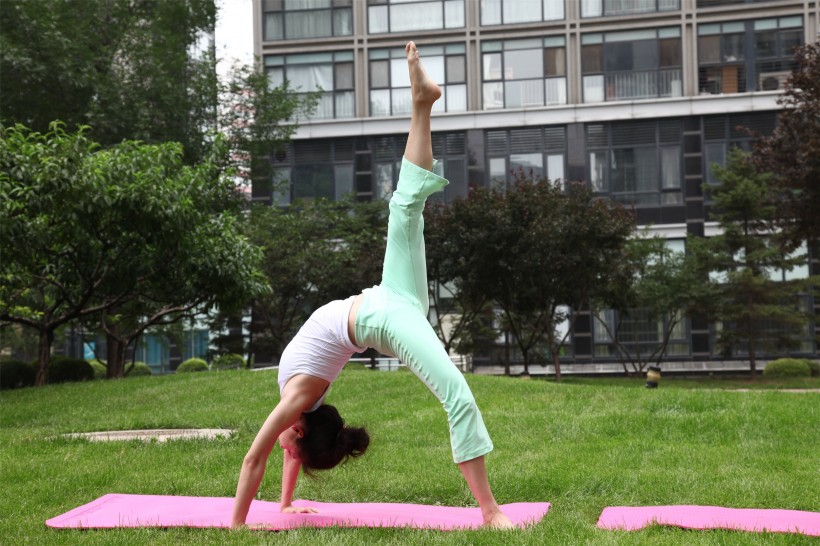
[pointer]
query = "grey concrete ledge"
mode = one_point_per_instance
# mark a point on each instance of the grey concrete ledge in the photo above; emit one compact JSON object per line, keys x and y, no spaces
{"x":160,"y":435}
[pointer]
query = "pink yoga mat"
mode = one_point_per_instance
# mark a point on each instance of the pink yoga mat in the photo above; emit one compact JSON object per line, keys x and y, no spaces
{"x":631,"y":518}
{"x":166,"y":511}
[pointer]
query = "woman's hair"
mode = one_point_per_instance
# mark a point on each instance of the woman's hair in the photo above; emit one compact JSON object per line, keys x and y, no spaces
{"x":327,"y":442}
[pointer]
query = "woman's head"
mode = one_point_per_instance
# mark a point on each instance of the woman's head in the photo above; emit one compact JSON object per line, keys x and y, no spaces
{"x":326,"y":442}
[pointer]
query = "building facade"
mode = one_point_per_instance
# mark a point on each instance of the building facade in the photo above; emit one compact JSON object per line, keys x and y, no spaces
{"x":636,"y":97}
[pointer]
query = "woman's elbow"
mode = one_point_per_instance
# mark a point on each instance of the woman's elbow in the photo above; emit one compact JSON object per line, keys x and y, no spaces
{"x":253,"y":461}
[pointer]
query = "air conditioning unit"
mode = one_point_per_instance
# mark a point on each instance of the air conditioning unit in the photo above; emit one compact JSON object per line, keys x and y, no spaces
{"x":772,"y":81}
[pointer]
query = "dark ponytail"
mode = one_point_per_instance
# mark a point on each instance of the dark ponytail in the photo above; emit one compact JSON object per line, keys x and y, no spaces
{"x":327,"y":442}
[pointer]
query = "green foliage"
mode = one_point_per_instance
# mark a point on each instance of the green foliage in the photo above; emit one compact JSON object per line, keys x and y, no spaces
{"x":788,"y":367}
{"x":629,"y":446}
{"x":193,"y":365}
{"x":15,"y":374}
{"x":745,"y":264}
{"x":123,"y":67}
{"x":791,"y":151}
{"x":62,"y":369}
{"x":653,"y":284}
{"x":228,"y":362}
{"x":138,"y":369}
{"x":84,"y":228}
{"x":814,"y":365}
{"x":313,"y":253}
{"x":100,"y":371}
{"x":255,"y":121}
{"x":532,"y":249}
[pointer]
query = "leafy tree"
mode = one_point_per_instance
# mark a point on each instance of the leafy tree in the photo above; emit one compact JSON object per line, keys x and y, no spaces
{"x":124,"y":67}
{"x":460,"y":314}
{"x":128,"y":231}
{"x":792,"y":153}
{"x":757,"y":309}
{"x":537,"y":252}
{"x":313,"y":253}
{"x":254,"y":120}
{"x":656,"y":285}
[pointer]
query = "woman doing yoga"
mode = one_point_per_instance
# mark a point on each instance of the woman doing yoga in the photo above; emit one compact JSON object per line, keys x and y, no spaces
{"x":392,"y":318}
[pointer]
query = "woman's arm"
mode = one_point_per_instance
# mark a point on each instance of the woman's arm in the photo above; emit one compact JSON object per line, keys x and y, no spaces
{"x":253,"y":467}
{"x":299,"y":395}
{"x":290,"y":472}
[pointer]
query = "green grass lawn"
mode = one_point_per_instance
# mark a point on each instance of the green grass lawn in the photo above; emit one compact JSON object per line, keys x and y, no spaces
{"x":581,"y":445}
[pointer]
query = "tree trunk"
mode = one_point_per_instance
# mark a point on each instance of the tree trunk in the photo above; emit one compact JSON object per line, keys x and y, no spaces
{"x":116,"y":356}
{"x":525,"y":355}
{"x":44,"y":354}
{"x":752,"y":360}
{"x":506,"y":353}
{"x":556,"y":362}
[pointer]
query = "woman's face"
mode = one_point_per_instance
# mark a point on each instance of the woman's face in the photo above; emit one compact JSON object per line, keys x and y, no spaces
{"x":288,"y":439}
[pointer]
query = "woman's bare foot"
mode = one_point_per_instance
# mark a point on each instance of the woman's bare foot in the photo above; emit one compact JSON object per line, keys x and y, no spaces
{"x":424,"y":89}
{"x":498,"y":521}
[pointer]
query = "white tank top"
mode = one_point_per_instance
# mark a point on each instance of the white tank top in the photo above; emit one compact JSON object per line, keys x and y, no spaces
{"x":321,"y":348}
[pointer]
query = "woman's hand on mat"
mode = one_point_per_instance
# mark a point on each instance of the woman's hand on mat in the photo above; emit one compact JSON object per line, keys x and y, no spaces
{"x":298,"y":510}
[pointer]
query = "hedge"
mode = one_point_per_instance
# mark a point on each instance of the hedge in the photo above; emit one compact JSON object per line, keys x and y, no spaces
{"x":193,"y":365}
{"x":228,"y":362}
{"x":15,"y":374}
{"x":62,"y":369}
{"x":788,"y":367}
{"x":139,"y":369}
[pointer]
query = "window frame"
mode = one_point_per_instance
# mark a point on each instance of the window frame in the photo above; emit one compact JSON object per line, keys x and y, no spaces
{"x":267,"y":8}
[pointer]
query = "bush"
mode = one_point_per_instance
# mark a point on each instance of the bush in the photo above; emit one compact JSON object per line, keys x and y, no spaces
{"x":788,"y":367}
{"x":228,"y":362}
{"x":15,"y":374}
{"x":814,"y":366}
{"x":139,"y":369}
{"x":62,"y":369}
{"x":193,"y":365}
{"x":100,"y":369}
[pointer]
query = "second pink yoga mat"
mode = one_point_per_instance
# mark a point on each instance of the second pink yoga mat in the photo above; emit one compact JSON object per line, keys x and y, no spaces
{"x":117,"y":510}
{"x":631,"y":518}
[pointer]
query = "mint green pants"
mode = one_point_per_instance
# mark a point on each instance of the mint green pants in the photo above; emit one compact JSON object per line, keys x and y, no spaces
{"x":393,"y":316}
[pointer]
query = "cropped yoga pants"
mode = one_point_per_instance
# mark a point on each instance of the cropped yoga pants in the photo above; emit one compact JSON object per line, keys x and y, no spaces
{"x":393,"y":316}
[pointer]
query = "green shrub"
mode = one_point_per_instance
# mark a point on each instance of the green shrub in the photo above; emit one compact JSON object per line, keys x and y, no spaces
{"x":193,"y":365}
{"x":228,"y":362}
{"x":15,"y":374}
{"x":100,"y":369}
{"x":139,"y":369}
{"x":814,"y":366}
{"x":787,"y":367}
{"x":62,"y":369}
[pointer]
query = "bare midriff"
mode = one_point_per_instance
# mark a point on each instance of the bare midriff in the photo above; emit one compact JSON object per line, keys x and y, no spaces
{"x":351,"y":318}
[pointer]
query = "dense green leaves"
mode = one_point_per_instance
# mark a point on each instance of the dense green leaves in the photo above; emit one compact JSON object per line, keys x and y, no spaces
{"x":128,"y":231}
{"x":534,"y":250}
{"x":123,"y":67}
{"x":756,"y":306}
{"x":313,"y":253}
{"x":793,"y":151}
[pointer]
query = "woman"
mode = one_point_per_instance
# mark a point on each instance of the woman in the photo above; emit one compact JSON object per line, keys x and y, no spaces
{"x":392,"y":318}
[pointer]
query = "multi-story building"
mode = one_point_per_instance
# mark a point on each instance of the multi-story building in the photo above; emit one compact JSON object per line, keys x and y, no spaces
{"x":637,"y":97}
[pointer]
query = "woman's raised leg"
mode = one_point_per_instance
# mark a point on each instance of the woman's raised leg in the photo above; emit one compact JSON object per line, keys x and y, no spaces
{"x":405,"y":268}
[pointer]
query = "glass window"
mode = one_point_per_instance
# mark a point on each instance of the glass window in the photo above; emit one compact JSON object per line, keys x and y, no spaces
{"x":628,"y":161}
{"x":597,"y":8}
{"x":456,"y":72}
{"x":498,"y":12}
{"x":524,"y":81}
{"x":330,"y":73}
{"x":385,"y":16}
{"x":725,"y":66}
{"x":637,"y":64}
{"x":293,"y":20}
{"x":537,"y":151}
